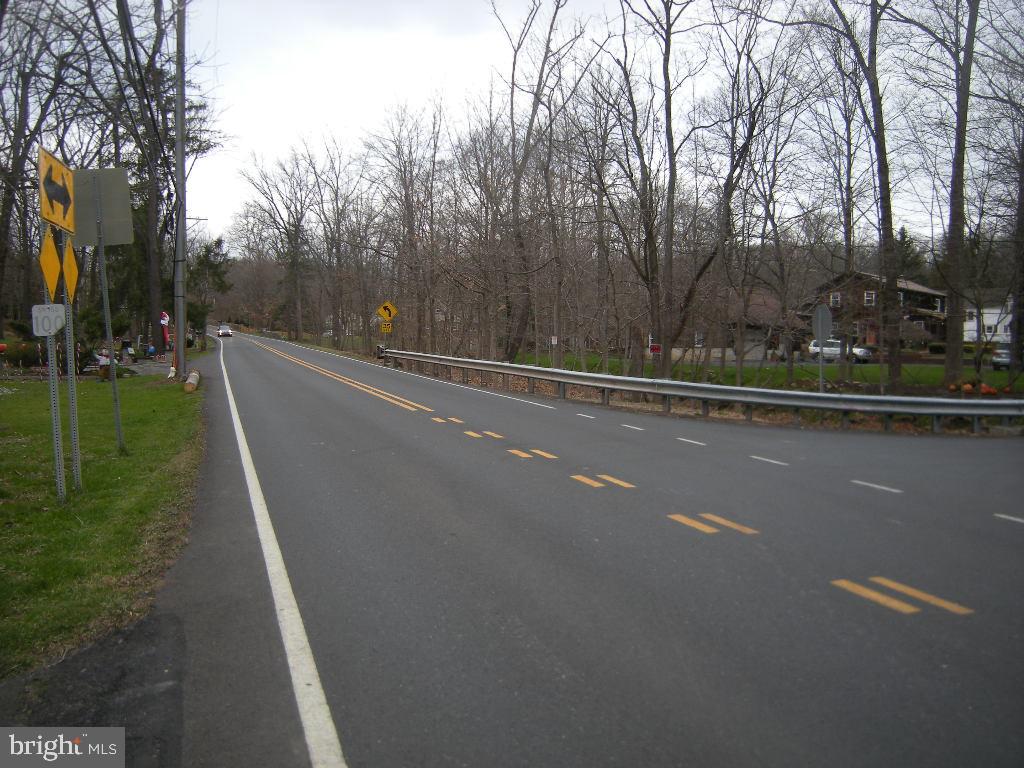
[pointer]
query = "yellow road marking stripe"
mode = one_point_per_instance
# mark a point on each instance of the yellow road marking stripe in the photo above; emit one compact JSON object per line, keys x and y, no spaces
{"x":520,"y":454}
{"x":439,"y":420}
{"x":587,"y":481}
{"x":457,"y":421}
{"x":727,"y":523}
{"x":495,"y":435}
{"x":545,"y":454}
{"x":924,"y":597}
{"x":693,"y":523}
{"x":621,"y":483}
{"x":877,"y":597}
{"x":472,"y":434}
{"x":398,"y":400}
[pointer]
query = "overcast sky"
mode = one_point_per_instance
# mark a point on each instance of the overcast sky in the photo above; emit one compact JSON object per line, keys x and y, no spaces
{"x":283,"y":71}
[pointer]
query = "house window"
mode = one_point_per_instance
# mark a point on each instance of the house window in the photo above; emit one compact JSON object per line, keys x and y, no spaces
{"x":901,"y":298}
{"x":869,"y":298}
{"x":970,"y":315}
{"x":835,"y":299}
{"x":989,"y":330}
{"x":938,"y":305}
{"x":698,"y":339}
{"x":1006,"y":328}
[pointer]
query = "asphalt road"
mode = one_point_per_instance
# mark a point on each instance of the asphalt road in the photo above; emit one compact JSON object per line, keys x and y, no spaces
{"x":491,"y":580}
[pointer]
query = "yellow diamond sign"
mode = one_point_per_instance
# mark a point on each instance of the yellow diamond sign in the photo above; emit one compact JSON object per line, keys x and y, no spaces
{"x":70,"y":269}
{"x":56,"y":192}
{"x":387,"y":311}
{"x":50,"y":263}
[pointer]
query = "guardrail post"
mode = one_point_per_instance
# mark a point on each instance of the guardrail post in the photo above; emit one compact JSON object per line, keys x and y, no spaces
{"x":666,"y":404}
{"x":887,"y":421}
{"x":504,"y":381}
{"x":606,"y":396}
{"x":705,"y":408}
{"x":846,"y":420}
{"x":465,"y":375}
{"x":561,"y":390}
{"x":531,"y":384}
{"x":976,"y":425}
{"x":796,"y":416}
{"x":748,"y":412}
{"x":936,"y":425}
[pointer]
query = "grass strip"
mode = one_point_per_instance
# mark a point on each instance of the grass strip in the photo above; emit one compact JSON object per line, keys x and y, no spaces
{"x":70,"y":573}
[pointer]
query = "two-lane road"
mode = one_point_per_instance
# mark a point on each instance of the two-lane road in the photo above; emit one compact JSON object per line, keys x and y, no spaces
{"x":488,"y":579}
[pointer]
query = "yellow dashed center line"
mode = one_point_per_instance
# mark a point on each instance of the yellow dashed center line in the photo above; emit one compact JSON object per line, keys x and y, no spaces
{"x":693,"y":523}
{"x":439,"y":420}
{"x":616,"y":481}
{"x":401,"y":402}
{"x":877,"y":597}
{"x":520,"y":454}
{"x":543,"y":454}
{"x":587,"y":481}
{"x":728,"y":523}
{"x":924,"y":597}
{"x":495,"y":435}
{"x":457,"y":421}
{"x":472,"y":434}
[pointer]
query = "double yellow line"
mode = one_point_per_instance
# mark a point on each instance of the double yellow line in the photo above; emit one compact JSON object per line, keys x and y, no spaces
{"x":401,"y":402}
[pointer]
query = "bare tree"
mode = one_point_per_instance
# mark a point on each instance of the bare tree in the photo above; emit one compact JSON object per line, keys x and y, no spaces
{"x":284,"y":197}
{"x":946,"y":33}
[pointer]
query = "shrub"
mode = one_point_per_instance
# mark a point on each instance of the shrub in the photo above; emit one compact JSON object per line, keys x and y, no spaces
{"x":937,"y":348}
{"x":24,"y":354}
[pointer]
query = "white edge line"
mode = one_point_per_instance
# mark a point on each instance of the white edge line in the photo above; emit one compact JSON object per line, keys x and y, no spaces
{"x":770,"y":461}
{"x":630,"y":426}
{"x":317,"y":723}
{"x":694,"y":442}
{"x":1009,"y":517}
{"x":585,"y":416}
{"x":418,"y":375}
{"x":876,"y":487}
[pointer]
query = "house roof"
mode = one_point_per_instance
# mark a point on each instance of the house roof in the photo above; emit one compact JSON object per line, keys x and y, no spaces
{"x":907,"y":285}
{"x":763,"y":309}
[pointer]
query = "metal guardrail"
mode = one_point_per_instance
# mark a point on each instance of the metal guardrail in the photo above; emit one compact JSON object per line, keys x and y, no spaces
{"x":937,"y":408}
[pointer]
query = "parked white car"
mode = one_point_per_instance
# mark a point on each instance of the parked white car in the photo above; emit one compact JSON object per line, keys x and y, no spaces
{"x":1001,"y":357}
{"x":830,"y":351}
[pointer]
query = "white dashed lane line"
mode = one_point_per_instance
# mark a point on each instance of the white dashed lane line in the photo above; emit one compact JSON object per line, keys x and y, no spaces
{"x":1009,"y":517}
{"x":877,"y":487}
{"x":770,"y":461}
{"x":630,"y":426}
{"x":692,"y":442}
{"x":585,"y":416}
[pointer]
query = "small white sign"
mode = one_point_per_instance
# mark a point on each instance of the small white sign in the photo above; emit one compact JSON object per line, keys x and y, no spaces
{"x":47,"y":319}
{"x":554,"y":341}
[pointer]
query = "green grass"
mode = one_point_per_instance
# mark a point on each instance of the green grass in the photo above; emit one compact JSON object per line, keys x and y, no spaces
{"x":71,"y":572}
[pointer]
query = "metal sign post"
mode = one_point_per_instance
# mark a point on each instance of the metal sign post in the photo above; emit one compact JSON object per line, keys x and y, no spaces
{"x":822,"y":327}
{"x":103,"y":217}
{"x":70,"y":283}
{"x":47,"y":320}
{"x":106,"y":315}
